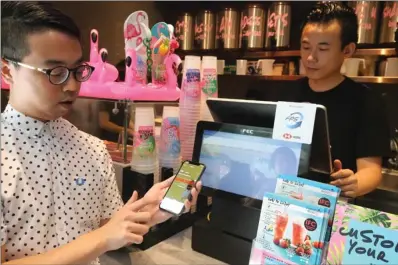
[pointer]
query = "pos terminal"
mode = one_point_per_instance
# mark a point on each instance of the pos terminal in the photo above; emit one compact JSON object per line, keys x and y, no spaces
{"x":242,"y":163}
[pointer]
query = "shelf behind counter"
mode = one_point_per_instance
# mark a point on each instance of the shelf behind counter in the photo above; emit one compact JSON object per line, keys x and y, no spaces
{"x":262,"y":54}
{"x":359,"y":79}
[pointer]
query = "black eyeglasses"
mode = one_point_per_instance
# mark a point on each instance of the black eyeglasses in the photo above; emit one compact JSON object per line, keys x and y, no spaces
{"x":60,"y":74}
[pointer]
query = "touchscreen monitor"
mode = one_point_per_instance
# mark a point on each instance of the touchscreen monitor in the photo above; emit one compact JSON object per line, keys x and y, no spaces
{"x":246,"y":160}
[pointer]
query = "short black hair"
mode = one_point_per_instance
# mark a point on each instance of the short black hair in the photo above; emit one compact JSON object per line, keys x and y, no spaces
{"x":327,"y":12}
{"x":20,"y":19}
{"x":288,"y":155}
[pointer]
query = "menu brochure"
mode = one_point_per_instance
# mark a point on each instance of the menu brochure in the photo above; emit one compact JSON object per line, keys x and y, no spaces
{"x":313,"y":192}
{"x":290,"y":231}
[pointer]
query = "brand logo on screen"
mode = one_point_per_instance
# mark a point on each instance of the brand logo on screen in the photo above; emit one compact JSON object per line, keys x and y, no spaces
{"x":294,"y":120}
{"x":247,"y":131}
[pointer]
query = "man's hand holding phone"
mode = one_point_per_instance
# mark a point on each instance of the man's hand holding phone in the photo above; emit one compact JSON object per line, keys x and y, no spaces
{"x":184,"y":189}
{"x":156,"y":194}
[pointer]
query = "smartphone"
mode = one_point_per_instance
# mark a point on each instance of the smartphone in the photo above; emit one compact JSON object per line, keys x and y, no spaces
{"x":179,"y":191}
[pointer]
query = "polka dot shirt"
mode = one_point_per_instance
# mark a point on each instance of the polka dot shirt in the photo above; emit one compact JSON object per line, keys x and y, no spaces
{"x":57,"y":183}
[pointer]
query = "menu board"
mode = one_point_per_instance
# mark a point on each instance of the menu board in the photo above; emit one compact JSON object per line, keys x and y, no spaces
{"x":363,"y":236}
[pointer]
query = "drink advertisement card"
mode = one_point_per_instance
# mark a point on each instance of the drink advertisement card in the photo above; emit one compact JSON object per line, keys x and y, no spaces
{"x":363,"y":236}
{"x":315,"y":193}
{"x":310,"y":191}
{"x":288,"y":229}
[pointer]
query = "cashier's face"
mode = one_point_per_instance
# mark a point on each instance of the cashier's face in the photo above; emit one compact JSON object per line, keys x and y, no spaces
{"x":321,"y":50}
{"x":31,"y":90}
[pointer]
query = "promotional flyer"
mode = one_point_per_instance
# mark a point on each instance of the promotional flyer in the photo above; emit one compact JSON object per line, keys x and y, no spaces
{"x":291,"y":231}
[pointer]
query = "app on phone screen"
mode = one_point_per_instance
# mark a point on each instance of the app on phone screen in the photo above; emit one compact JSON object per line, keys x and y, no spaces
{"x":181,"y":187}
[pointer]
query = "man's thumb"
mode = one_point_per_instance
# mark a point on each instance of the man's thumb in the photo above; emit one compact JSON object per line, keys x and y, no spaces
{"x":337,"y":165}
{"x":133,"y":198}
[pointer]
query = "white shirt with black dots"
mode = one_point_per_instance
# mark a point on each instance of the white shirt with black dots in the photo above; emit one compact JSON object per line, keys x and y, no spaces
{"x":57,"y":183}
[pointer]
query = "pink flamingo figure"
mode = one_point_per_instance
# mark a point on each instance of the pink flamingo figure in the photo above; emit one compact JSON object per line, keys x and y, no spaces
{"x":133,"y":32}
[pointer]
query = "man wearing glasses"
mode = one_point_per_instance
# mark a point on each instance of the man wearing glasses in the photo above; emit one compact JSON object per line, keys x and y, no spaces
{"x":59,"y":199}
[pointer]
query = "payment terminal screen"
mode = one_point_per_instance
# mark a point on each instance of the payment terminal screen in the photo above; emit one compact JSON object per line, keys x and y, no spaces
{"x":184,"y":181}
{"x":246,"y":165}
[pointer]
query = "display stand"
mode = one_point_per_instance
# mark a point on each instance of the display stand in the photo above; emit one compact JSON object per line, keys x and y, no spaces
{"x":228,"y":233}
{"x":166,"y":173}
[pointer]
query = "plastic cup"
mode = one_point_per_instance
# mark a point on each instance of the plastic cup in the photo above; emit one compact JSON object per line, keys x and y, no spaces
{"x":144,"y":116}
{"x":191,"y":62}
{"x":139,"y":165}
{"x":173,"y":163}
{"x":143,"y":171}
{"x":157,"y":137}
{"x":190,"y":88}
{"x":191,"y":98}
{"x":144,"y":150}
{"x":186,"y":127}
{"x":170,"y":140}
{"x":209,"y":75}
{"x":209,"y":62}
{"x":190,"y":106}
{"x":192,"y":117}
{"x":170,"y":111}
{"x":210,"y":88}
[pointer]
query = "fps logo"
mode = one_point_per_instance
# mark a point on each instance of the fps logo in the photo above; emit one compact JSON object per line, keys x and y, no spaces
{"x":294,"y":120}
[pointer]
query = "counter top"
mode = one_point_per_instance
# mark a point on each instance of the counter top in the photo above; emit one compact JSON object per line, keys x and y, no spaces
{"x":175,"y":250}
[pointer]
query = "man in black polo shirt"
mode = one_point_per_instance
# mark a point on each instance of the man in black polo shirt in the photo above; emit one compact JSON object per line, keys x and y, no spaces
{"x":358,"y":125}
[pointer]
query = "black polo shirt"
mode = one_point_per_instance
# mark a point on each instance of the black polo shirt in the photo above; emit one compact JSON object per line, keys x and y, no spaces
{"x":358,"y":124}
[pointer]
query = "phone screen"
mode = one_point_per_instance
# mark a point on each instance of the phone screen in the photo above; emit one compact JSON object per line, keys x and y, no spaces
{"x":181,"y":187}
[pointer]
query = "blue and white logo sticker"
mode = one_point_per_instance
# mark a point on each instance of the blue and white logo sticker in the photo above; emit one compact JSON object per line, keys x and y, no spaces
{"x":80,"y":181}
{"x":294,"y":120}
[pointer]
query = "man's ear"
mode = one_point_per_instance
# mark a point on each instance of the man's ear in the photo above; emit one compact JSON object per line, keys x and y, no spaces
{"x":6,"y":71}
{"x":349,"y":50}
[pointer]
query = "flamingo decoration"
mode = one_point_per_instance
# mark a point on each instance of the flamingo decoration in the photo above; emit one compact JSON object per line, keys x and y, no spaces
{"x":132,"y":32}
{"x":171,"y":59}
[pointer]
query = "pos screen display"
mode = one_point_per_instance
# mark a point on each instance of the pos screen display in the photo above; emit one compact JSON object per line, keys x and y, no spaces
{"x":246,"y":160}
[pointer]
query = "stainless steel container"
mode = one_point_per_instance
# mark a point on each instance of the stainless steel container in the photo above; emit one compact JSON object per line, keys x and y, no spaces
{"x":367,"y":13}
{"x":227,"y":29}
{"x":184,"y":31}
{"x":278,"y":25}
{"x":389,"y":22}
{"x":205,"y":30}
{"x":252,"y":23}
